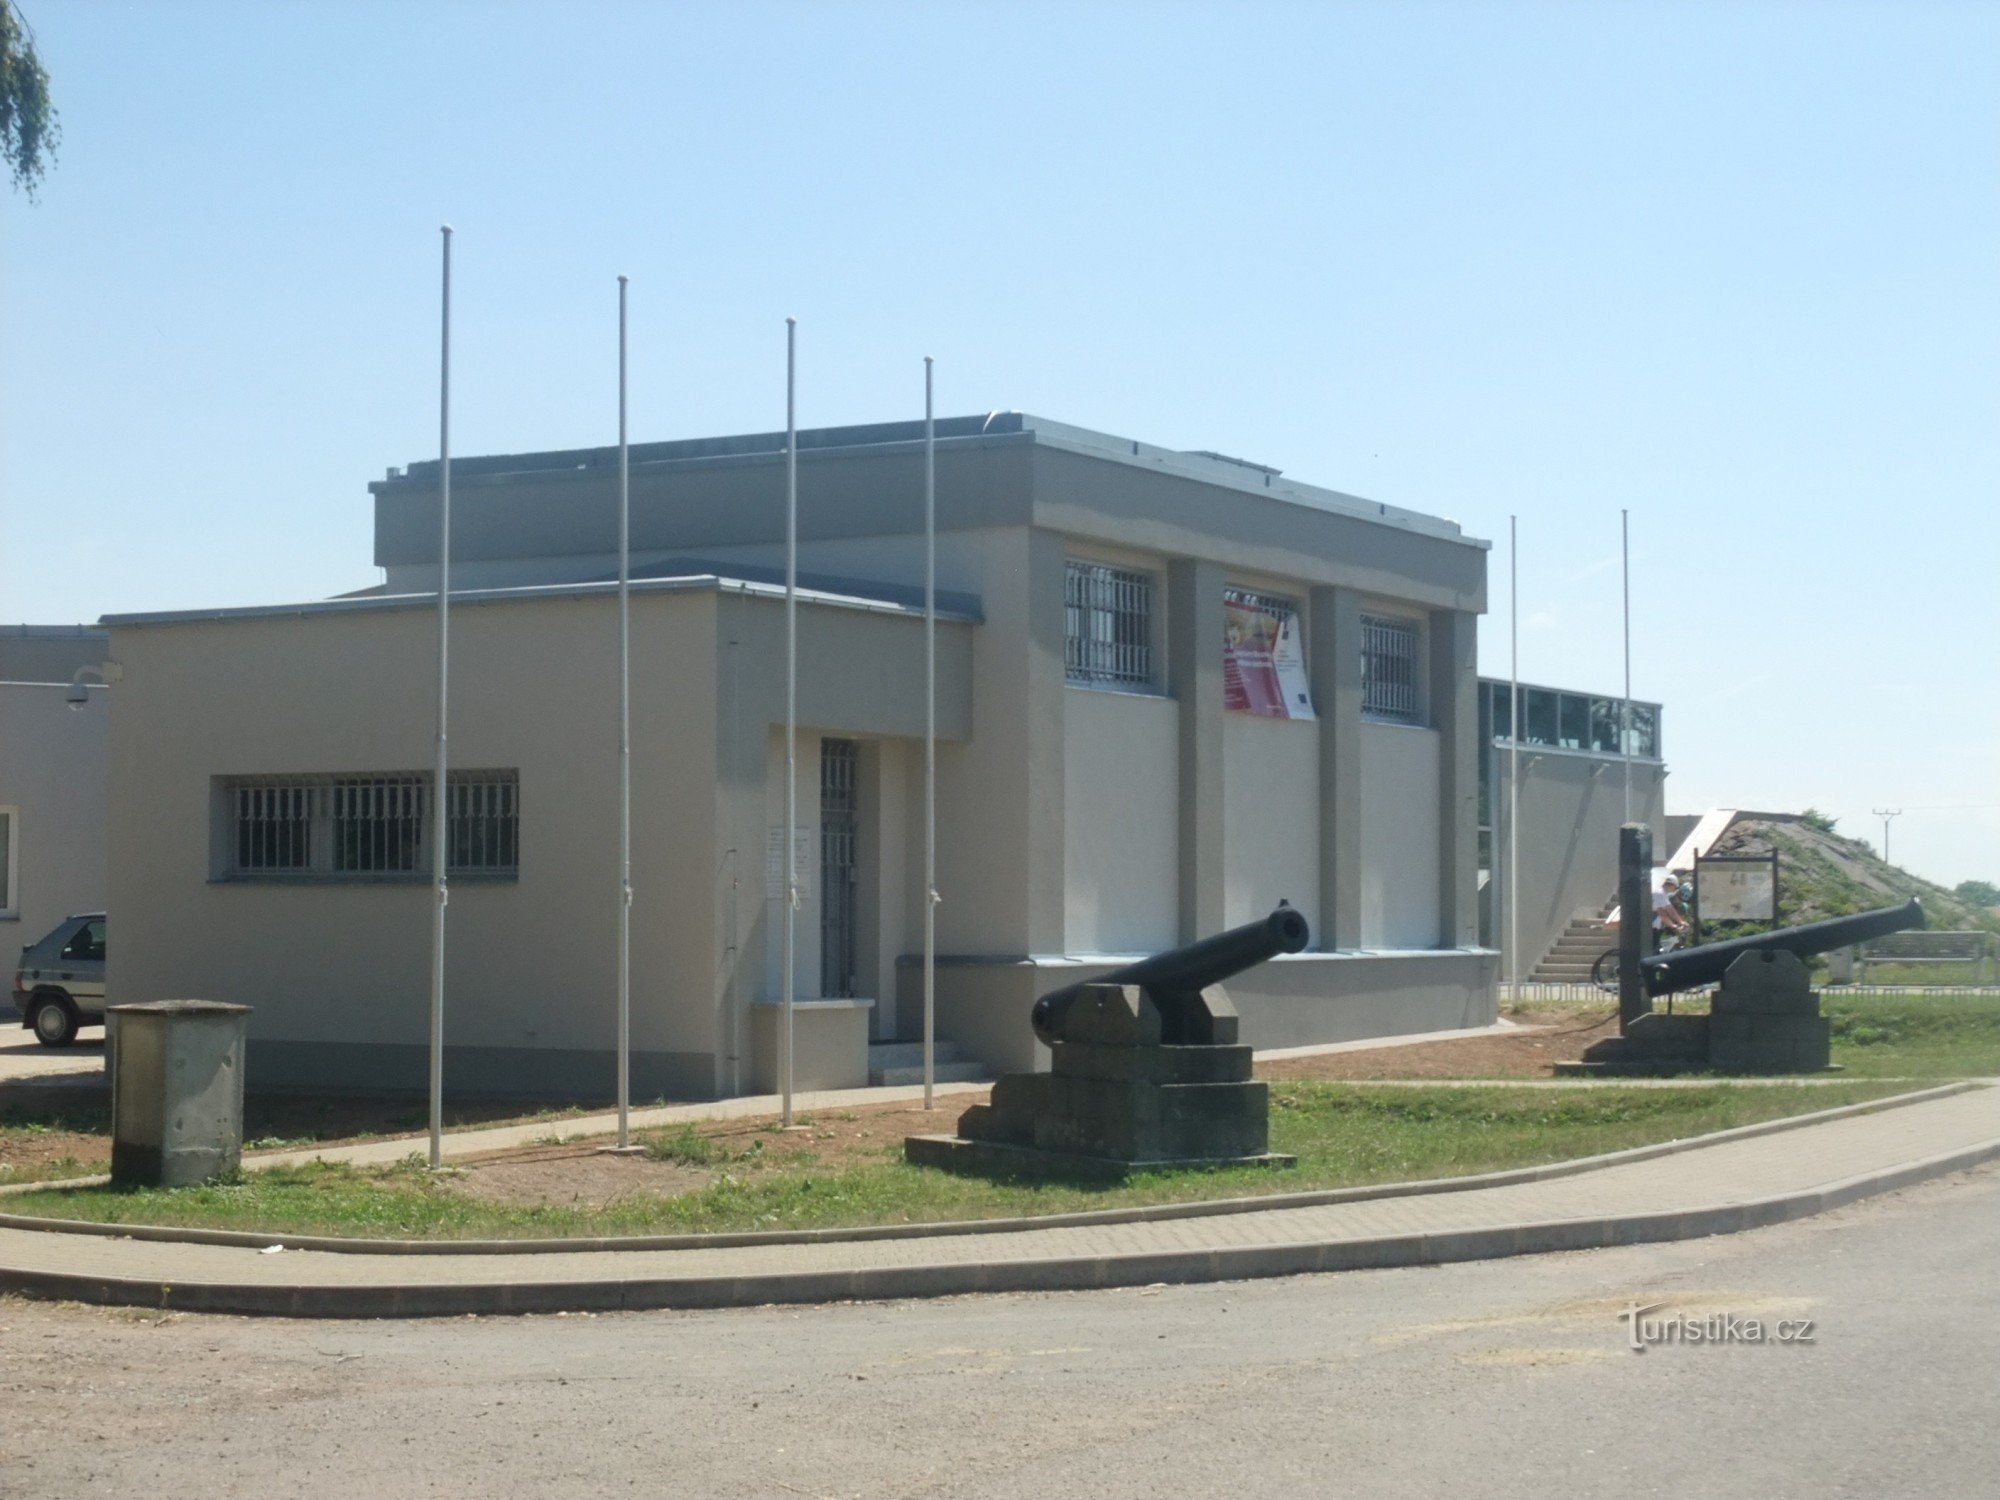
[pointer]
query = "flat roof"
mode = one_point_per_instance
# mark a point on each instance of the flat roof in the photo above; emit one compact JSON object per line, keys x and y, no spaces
{"x":877,"y":598}
{"x":992,"y":427}
{"x":50,"y":633}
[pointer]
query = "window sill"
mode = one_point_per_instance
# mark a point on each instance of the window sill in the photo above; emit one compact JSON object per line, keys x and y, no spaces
{"x":1119,"y":688}
{"x":317,"y":879}
{"x":1251,"y":713}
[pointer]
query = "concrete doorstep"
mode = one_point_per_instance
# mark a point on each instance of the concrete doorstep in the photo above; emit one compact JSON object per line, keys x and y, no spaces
{"x":1735,"y":1180}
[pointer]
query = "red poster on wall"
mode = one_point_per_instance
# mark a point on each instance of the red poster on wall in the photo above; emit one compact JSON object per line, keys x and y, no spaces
{"x":1263,"y":665}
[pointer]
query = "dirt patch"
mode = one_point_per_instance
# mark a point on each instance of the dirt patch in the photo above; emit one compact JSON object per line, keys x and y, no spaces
{"x":1527,"y":1054}
{"x":578,"y":1175}
{"x":574,"y":1177}
{"x":51,"y":1131}
{"x":830,"y":1140}
{"x":581,"y":1176}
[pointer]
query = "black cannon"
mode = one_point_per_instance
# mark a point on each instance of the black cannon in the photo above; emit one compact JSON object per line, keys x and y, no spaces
{"x":1764,"y":1016}
{"x":1145,"y":1069}
{"x":1685,"y":968}
{"x":1184,"y":971}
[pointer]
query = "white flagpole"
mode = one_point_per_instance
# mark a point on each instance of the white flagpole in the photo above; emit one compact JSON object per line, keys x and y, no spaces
{"x":624,"y":750}
{"x":440,"y":852}
{"x":1625,"y":710}
{"x":930,"y":745}
{"x":791,"y":705}
{"x":1514,"y":760}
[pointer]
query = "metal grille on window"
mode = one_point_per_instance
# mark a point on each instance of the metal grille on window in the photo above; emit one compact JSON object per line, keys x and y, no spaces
{"x":274,"y":825}
{"x":838,"y":819}
{"x":1276,"y":605}
{"x":377,"y":824}
{"x":485,"y":821}
{"x":1107,"y":625}
{"x":1389,"y":670}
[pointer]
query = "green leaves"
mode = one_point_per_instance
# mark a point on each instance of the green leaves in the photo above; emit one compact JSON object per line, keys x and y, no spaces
{"x":28,"y":128}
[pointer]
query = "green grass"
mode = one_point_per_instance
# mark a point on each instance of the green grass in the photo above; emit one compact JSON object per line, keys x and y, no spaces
{"x":1343,"y":1135}
{"x":1915,"y":1036}
{"x":1874,"y":1036}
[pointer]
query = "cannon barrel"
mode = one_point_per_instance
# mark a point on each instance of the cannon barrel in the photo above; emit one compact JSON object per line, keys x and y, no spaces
{"x":1190,"y":969}
{"x":1685,"y":968}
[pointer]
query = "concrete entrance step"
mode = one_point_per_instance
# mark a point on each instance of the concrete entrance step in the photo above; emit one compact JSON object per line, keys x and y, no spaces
{"x":902,"y":1063}
{"x":958,"y":1072}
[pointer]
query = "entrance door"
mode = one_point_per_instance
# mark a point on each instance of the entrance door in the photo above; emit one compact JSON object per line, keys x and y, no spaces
{"x":837,"y":868}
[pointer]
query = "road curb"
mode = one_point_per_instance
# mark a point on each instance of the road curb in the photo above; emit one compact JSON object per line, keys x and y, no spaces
{"x":1084,"y":1273}
{"x":1488,"y":1242}
{"x":1144,"y":1214}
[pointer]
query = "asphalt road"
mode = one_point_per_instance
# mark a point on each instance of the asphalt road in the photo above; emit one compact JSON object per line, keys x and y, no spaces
{"x":1508,"y":1378}
{"x":22,"y":1058}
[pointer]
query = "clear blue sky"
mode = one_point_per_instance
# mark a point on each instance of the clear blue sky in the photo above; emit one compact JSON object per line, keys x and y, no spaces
{"x":1736,"y":267}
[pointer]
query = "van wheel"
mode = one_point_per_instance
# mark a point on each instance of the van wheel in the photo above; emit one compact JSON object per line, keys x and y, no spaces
{"x":54,"y":1022}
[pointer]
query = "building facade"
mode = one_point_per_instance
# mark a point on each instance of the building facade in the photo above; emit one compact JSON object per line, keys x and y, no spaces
{"x":1576,"y":787}
{"x":1174,"y":689}
{"x":52,"y":766}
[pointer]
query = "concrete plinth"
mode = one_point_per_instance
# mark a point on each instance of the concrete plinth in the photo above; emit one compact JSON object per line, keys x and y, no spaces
{"x":829,"y":1044}
{"x":1118,"y":1099}
{"x":176,"y":1091}
{"x":1764,"y":1019}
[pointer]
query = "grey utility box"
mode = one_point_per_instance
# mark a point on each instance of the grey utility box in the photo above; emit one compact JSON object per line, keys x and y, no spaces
{"x":176,"y":1091}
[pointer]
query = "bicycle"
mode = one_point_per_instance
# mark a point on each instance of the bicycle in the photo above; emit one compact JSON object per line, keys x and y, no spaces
{"x":1604,"y":973}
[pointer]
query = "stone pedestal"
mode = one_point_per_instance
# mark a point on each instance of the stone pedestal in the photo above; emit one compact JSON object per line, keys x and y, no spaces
{"x":1118,"y":1098}
{"x":176,"y":1091}
{"x":1764,"y":1019}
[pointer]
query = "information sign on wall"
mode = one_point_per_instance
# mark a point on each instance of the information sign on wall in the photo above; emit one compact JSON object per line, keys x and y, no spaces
{"x":1263,"y":660}
{"x":774,"y":863}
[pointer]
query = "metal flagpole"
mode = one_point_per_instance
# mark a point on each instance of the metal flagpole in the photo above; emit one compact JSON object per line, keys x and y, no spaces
{"x":440,"y":853}
{"x":791,"y":704}
{"x":1514,"y":760}
{"x":930,"y":745}
{"x":624,"y":750}
{"x":1625,"y":713}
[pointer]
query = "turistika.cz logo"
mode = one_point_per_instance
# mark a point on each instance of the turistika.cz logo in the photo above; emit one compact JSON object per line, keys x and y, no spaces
{"x":1643,"y":1332}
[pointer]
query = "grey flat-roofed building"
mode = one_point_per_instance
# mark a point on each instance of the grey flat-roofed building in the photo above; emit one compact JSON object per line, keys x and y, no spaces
{"x":52,"y":754}
{"x":1098,"y":794}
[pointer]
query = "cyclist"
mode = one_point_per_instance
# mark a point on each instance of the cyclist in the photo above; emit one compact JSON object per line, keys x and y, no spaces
{"x":1666,"y":914}
{"x":1667,"y":909}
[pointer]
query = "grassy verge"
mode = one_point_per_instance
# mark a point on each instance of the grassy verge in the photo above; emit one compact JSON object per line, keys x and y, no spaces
{"x":1342,"y":1136}
{"x":1915,"y":1036}
{"x":1874,"y":1036}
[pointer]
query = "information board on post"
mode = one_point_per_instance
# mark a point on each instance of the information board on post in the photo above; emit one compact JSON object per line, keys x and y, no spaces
{"x":1736,"y":888}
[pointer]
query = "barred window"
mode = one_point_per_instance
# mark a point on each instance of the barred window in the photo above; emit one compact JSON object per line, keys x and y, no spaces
{"x":1389,"y":670}
{"x":485,"y":820}
{"x":273,"y":822}
{"x":370,"y":827}
{"x":378,"y":824}
{"x":1107,"y":626}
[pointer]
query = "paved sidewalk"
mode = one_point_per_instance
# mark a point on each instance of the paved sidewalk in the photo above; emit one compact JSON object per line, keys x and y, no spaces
{"x":1730,"y":1184}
